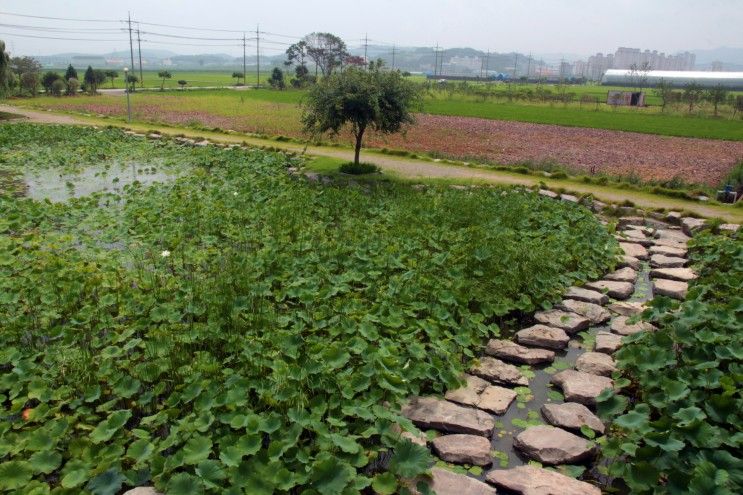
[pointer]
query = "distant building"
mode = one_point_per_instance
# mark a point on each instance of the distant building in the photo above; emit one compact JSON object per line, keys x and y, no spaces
{"x":624,"y":58}
{"x":677,"y":78}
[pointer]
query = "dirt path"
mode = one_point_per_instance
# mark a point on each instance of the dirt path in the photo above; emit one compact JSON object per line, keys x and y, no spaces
{"x":417,"y":169}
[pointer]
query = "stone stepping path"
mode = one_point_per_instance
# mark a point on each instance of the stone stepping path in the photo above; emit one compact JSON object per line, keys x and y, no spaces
{"x":568,"y":349}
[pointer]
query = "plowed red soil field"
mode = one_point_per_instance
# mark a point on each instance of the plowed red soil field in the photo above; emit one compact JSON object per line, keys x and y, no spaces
{"x":614,"y":152}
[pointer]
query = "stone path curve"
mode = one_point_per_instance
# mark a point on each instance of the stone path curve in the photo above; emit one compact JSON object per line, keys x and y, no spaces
{"x":561,"y":431}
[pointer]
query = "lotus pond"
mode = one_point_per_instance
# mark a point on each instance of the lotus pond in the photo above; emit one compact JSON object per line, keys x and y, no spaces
{"x":223,"y":327}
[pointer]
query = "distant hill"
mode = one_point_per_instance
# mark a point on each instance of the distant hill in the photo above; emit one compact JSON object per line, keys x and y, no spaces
{"x":731,"y":58}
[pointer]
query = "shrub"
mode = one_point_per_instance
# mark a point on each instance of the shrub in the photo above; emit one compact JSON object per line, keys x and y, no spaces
{"x":361,"y":168}
{"x":73,"y":85}
{"x":57,"y":88}
{"x":735,"y":178}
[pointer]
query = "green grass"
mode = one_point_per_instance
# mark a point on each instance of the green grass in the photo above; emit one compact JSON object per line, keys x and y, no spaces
{"x":239,"y":330}
{"x":9,"y":116}
{"x":632,"y":120}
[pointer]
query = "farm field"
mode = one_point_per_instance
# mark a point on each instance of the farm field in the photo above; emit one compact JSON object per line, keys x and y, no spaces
{"x":501,"y":138}
{"x":197,"y":319}
{"x":194,"y":78}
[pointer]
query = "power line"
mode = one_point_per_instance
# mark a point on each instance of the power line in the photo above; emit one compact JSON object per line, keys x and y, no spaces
{"x":59,"y":38}
{"x":53,"y":29}
{"x":59,"y":18}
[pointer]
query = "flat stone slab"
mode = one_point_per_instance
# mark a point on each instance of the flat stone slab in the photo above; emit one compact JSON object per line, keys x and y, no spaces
{"x":680,"y":274}
{"x":672,"y":234}
{"x":586,"y":295}
{"x":549,"y":194}
{"x":578,"y":386}
{"x":620,"y":326}
{"x":508,"y":350}
{"x":691,"y":226}
{"x":439,"y":414}
{"x":569,"y":197}
{"x":572,"y":416}
{"x":629,"y":261}
{"x":634,"y":236}
{"x":670,"y":243}
{"x":496,"y":399}
{"x":496,"y":371}
{"x":669,"y":251}
{"x":596,"y":314}
{"x":468,"y":395}
{"x":543,"y":336}
{"x":626,"y":308}
{"x":568,"y":321}
{"x":530,"y":480}
{"x":550,"y":445}
{"x":463,"y":449}
{"x":596,"y":363}
{"x":729,"y":227}
{"x":625,"y":274}
{"x":607,"y":342}
{"x":663,"y":261}
{"x":445,"y":482}
{"x":624,"y":222}
{"x":635,"y":250}
{"x":142,"y":490}
{"x":617,"y":290}
{"x":670,"y":288}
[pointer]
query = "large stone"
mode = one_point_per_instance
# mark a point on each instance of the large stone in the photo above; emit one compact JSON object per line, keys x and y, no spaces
{"x":596,"y":363}
{"x":595,"y":313}
{"x":439,"y":414}
{"x":496,"y":399}
{"x":543,"y":336}
{"x":691,"y":225}
{"x":572,"y":416}
{"x":569,"y":198}
{"x":626,"y":308}
{"x":142,"y":490}
{"x":670,"y":288}
{"x":729,"y":227}
{"x":680,"y":274}
{"x":585,"y":295}
{"x":416,"y":436}
{"x":624,"y":222}
{"x":549,"y":194}
{"x":672,"y":234}
{"x":570,"y":322}
{"x":607,"y":342}
{"x":670,"y":243}
{"x":446,"y":482}
{"x":635,"y":250}
{"x":496,"y":371}
{"x":674,"y":217}
{"x":508,"y":350}
{"x":617,"y":290}
{"x":578,"y":386}
{"x":463,"y":449}
{"x":626,"y":274}
{"x":620,"y":326}
{"x":663,"y":261}
{"x":634,"y":236}
{"x":550,"y":445}
{"x":469,"y":394}
{"x":669,"y":251}
{"x":530,"y":480}
{"x":629,"y":261}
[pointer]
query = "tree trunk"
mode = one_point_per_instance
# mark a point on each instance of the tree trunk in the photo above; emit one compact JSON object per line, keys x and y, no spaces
{"x":357,"y":151}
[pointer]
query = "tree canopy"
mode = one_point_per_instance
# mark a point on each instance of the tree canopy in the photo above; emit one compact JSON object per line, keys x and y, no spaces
{"x":360,"y":99}
{"x":326,"y":50}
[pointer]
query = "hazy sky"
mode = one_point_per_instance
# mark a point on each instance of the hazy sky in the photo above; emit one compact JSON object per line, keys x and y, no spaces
{"x":539,"y":26}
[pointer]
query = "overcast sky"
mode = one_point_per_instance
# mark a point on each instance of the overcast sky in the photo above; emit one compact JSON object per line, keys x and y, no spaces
{"x":539,"y":26}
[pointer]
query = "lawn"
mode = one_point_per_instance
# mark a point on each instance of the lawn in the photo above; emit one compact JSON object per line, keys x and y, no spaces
{"x":231,"y":329}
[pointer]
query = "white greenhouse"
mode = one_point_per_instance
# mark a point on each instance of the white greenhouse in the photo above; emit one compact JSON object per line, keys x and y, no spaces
{"x":676,"y":78}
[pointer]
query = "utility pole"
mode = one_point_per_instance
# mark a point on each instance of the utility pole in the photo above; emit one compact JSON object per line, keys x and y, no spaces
{"x":515,"y":64}
{"x":487,"y":64}
{"x":131,"y":48}
{"x":562,"y":65}
{"x":139,"y":51}
{"x":258,"y":54}
{"x":244,"y":71}
{"x":366,"y":50}
{"x":528,"y":69}
{"x":436,"y":60}
{"x":393,"y":56}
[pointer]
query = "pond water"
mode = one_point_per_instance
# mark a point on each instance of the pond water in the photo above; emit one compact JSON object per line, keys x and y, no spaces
{"x":59,"y":186}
